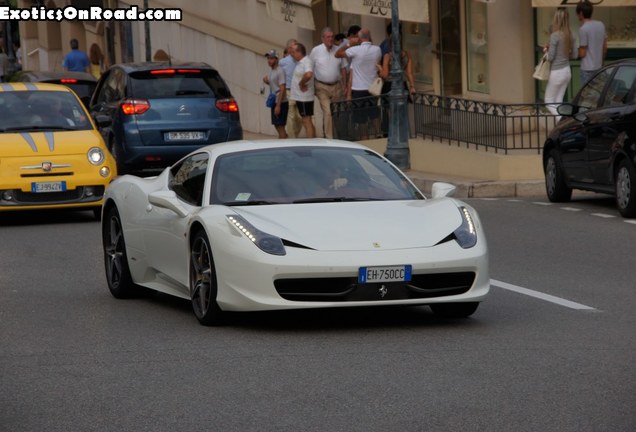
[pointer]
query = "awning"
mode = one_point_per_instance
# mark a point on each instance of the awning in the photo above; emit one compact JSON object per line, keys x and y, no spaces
{"x":409,"y":10}
{"x":296,"y":12}
{"x":596,"y":3}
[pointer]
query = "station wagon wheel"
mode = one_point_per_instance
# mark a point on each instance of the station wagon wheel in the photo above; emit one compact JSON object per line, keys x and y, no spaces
{"x":203,"y":285}
{"x":555,"y":186}
{"x":115,"y":152}
{"x":625,"y":189}
{"x":118,"y":276}
{"x":455,"y":310}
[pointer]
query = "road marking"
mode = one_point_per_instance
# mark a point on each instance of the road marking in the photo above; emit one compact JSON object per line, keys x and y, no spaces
{"x":540,"y":295}
{"x":633,"y":222}
{"x":572,"y":209}
{"x":542,"y":203}
{"x":603,"y":215}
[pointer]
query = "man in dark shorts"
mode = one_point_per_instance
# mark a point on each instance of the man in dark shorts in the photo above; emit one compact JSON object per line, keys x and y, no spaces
{"x":302,"y":90}
{"x":363,"y":56}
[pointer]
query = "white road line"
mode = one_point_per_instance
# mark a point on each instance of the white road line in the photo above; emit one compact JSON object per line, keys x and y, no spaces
{"x":633,"y":222}
{"x":572,"y":209}
{"x":542,"y":203}
{"x":603,"y":215}
{"x":540,"y":295}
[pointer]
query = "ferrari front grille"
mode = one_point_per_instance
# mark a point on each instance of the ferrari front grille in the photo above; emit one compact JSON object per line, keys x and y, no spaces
{"x":348,"y":289}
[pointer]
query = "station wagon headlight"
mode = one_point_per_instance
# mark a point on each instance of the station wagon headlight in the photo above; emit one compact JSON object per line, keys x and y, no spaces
{"x":265,"y":242}
{"x":466,"y":234}
{"x":96,"y":156}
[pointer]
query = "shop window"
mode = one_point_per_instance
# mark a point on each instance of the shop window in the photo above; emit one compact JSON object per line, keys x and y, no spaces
{"x":477,"y":43}
{"x":418,"y":43}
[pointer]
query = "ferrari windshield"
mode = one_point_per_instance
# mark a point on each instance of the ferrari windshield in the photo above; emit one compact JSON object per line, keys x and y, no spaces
{"x":40,"y":110}
{"x":307,"y":175}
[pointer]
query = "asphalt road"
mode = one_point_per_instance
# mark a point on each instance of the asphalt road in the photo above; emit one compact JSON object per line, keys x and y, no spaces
{"x":552,"y":349}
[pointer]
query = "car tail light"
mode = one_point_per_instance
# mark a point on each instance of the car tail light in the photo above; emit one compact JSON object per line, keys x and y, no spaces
{"x":68,"y":81}
{"x":173,"y":71}
{"x":227,"y":105}
{"x":163,"y":72}
{"x":135,"y":106}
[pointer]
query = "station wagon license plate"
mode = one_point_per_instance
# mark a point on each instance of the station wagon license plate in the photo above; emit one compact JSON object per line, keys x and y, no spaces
{"x":43,"y":187}
{"x":185,"y":136}
{"x":400,"y":273}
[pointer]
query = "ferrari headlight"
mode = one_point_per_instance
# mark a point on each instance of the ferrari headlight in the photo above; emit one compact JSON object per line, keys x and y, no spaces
{"x":265,"y":242}
{"x":466,"y":234}
{"x":96,"y":156}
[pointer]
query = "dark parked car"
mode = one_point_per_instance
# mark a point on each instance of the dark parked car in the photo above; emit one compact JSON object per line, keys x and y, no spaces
{"x":82,"y":83}
{"x":153,"y":114}
{"x":594,"y":146}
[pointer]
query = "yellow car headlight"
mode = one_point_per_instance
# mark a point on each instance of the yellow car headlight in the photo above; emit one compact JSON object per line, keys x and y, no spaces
{"x":96,"y":156}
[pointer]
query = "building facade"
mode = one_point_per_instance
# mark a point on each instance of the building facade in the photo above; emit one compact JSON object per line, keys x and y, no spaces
{"x":475,"y":49}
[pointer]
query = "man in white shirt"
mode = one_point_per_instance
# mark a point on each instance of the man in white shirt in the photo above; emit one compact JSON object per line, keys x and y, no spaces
{"x":302,"y":88}
{"x":364,"y":58}
{"x":294,"y":122}
{"x":329,"y":75}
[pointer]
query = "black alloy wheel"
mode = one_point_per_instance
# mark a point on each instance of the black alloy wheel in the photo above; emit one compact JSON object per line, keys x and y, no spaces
{"x":555,"y":186}
{"x":118,"y":276}
{"x":625,"y":185}
{"x":203,"y":284}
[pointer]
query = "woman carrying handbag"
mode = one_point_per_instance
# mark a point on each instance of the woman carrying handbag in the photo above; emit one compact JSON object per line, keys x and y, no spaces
{"x":560,"y":49}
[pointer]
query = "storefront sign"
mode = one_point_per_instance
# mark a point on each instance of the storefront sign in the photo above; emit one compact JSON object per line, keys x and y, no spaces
{"x":557,"y":3}
{"x":409,"y":10}
{"x":297,"y":12}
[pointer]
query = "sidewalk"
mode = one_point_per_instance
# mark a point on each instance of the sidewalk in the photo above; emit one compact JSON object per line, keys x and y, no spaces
{"x":466,"y":187}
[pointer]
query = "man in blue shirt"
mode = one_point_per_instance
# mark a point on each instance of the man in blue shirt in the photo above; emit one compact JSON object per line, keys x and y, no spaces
{"x":76,"y":60}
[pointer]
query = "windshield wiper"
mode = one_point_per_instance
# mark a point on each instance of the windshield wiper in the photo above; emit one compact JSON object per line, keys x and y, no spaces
{"x":191,"y":92}
{"x":332,"y":199}
{"x":32,"y":128}
{"x":248,"y":203}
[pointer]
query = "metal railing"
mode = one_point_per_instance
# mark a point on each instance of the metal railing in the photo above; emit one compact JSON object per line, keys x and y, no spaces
{"x":502,"y":127}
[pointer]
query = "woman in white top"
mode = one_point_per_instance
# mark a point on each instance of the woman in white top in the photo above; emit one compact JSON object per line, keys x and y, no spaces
{"x":560,"y":49}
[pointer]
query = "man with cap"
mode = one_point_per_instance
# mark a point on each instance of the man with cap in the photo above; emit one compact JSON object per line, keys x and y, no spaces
{"x":277,"y":86}
{"x":294,"y":122}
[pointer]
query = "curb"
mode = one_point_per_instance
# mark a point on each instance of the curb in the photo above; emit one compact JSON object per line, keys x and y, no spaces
{"x":484,"y":189}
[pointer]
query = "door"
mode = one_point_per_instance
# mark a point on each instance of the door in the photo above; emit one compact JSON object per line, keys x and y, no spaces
{"x":610,"y":124}
{"x":449,"y":47}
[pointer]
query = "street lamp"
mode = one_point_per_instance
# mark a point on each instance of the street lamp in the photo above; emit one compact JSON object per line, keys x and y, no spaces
{"x":147,"y":35}
{"x":397,"y":149}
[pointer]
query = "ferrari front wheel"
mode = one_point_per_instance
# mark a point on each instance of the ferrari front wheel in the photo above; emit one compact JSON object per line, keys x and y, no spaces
{"x":118,"y":276}
{"x":203,"y":286}
{"x":455,"y":310}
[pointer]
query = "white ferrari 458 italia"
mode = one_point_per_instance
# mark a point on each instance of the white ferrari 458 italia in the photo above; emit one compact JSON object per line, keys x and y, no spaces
{"x":292,"y":224}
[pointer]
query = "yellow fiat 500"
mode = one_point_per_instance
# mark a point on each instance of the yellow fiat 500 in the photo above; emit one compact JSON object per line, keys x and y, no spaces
{"x":51,"y":155}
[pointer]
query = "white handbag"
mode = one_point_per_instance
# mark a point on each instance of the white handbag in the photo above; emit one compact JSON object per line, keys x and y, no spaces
{"x":542,"y":71}
{"x":376,"y":87}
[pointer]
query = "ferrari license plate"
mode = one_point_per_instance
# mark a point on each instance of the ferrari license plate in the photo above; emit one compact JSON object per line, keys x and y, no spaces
{"x":400,"y":273}
{"x":42,"y":187}
{"x":185,"y":136}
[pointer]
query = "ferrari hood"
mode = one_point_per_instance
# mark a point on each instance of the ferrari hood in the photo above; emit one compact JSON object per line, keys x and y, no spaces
{"x":30,"y":144}
{"x":357,"y":226}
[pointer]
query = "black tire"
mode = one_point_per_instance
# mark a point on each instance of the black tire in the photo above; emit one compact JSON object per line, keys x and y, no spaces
{"x":116,"y":153}
{"x":625,"y":189}
{"x":555,"y":186}
{"x":455,"y":310}
{"x":203,"y":284}
{"x":118,"y":276}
